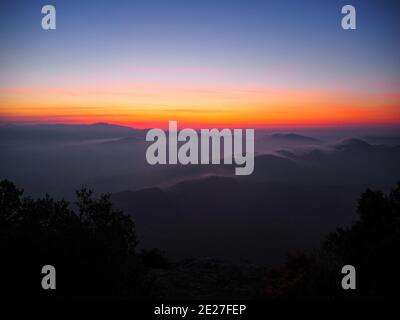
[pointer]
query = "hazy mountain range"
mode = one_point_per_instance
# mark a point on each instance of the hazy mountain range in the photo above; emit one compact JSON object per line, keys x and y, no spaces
{"x":303,"y":186}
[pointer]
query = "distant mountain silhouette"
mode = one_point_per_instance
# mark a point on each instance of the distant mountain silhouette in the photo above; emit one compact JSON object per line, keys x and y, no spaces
{"x":41,"y":133}
{"x":294,"y":137}
{"x":352,"y":143}
{"x":322,"y":185}
{"x":301,"y":188}
{"x":277,"y":141}
{"x":228,"y":209}
{"x":111,"y":158}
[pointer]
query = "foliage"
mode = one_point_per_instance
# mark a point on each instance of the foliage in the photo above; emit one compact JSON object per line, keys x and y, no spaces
{"x":371,"y":245}
{"x":91,"y":246}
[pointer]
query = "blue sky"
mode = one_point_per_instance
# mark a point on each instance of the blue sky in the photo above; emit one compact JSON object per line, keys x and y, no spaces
{"x":292,"y":43}
{"x":286,"y":45}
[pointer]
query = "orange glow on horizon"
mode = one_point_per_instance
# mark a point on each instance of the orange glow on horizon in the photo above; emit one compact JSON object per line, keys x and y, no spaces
{"x":153,"y":105}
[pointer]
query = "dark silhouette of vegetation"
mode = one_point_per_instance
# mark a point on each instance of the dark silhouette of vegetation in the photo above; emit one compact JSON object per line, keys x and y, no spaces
{"x":91,"y":246}
{"x":371,"y":245}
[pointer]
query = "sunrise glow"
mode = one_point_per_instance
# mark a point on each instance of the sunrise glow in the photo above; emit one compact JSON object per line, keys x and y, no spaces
{"x":203,"y":65}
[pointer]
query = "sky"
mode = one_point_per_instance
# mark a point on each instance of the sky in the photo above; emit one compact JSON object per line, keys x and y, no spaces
{"x":203,"y":63}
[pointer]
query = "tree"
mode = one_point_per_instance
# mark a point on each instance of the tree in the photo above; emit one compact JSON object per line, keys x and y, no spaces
{"x":371,"y":245}
{"x":92,"y":247}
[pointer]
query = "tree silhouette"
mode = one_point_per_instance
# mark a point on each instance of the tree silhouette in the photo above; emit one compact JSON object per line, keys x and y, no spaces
{"x":371,"y":245}
{"x":91,"y":246}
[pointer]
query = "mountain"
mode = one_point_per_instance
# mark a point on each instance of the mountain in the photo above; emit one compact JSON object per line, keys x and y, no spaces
{"x":290,"y":202}
{"x":227,"y":218}
{"x":352,"y":143}
{"x":279,"y":141}
{"x":43,"y":133}
{"x":292,"y":137}
{"x":301,"y":187}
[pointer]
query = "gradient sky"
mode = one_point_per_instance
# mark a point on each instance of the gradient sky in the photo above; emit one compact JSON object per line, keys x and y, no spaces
{"x":203,"y":63}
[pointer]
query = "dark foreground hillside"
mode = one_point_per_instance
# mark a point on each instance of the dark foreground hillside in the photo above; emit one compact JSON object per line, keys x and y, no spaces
{"x":94,"y":250}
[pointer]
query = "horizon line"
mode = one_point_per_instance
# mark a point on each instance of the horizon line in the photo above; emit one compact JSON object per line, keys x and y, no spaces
{"x":210,"y":126}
